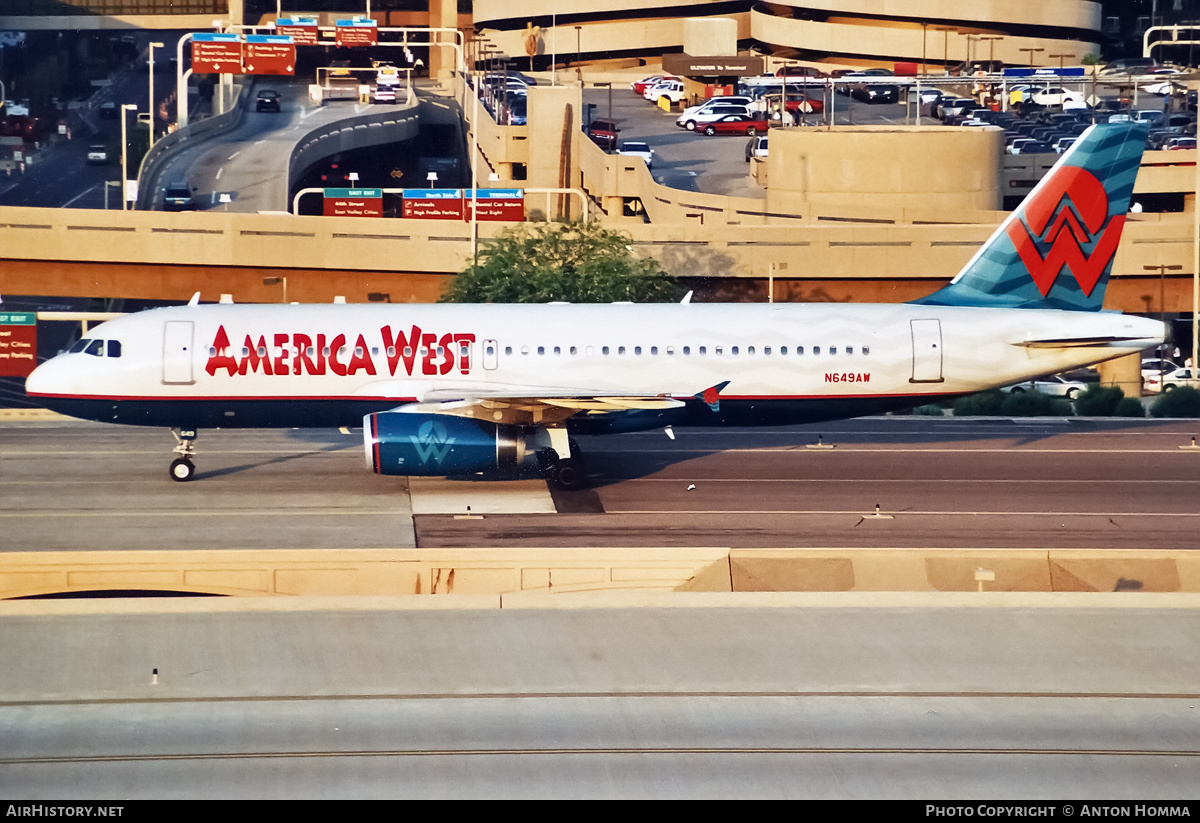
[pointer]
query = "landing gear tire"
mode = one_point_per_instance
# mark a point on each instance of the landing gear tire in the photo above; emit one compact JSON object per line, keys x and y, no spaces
{"x":182,"y":470}
{"x":567,"y":474}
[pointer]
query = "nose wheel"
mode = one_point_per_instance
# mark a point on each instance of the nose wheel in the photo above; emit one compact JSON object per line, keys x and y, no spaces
{"x":182,"y":468}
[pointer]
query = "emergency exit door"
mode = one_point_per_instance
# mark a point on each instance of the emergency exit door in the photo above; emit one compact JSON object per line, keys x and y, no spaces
{"x":927,"y":351}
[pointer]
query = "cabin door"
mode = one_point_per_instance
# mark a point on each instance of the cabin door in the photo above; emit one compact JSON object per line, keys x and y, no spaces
{"x":927,"y":351}
{"x":177,"y":352}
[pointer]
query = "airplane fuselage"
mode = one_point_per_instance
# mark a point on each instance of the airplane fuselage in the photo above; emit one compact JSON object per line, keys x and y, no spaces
{"x":328,"y":365}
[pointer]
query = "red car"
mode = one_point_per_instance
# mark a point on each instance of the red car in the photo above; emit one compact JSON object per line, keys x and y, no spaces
{"x":736,"y":124}
{"x":808,"y":105}
{"x":799,"y":71}
{"x":639,"y":87}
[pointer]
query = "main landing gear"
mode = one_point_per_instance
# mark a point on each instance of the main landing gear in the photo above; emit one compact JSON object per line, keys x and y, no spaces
{"x":562,"y":462}
{"x":182,"y":468}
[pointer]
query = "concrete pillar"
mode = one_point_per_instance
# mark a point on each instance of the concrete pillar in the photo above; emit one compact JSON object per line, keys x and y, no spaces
{"x":442,"y":14}
{"x":237,"y":12}
{"x":1124,"y":372}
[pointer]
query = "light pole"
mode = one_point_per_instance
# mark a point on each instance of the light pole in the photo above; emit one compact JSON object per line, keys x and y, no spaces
{"x":1061,"y":57}
{"x":946,"y":46}
{"x":1031,"y":53}
{"x":578,"y":54}
{"x":150,"y":106}
{"x":125,"y":157}
{"x":1162,"y":270}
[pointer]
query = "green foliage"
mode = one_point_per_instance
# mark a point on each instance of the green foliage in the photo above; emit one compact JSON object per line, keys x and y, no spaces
{"x":929,"y":410}
{"x":996,"y":403}
{"x":575,"y":262}
{"x":1129,"y":407}
{"x":1180,"y":402}
{"x":1035,"y":404}
{"x":1091,"y":59}
{"x":985,"y":404}
{"x":1099,"y":401}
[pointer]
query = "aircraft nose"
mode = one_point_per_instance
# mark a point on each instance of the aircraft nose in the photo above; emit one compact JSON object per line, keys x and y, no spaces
{"x":46,"y":379}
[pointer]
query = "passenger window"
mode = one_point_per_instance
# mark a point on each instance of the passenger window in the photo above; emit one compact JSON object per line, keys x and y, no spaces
{"x":866,"y":349}
{"x":782,"y":350}
{"x":507,"y":351}
{"x":654,"y":350}
{"x":733,"y":350}
{"x":688,"y":349}
{"x":542,"y":350}
{"x":799,"y":350}
{"x":718,"y":350}
{"x":767,"y":350}
{"x":558,"y":350}
{"x":637,"y":349}
{"x":816,"y":349}
{"x":114,"y":348}
{"x":670,"y":350}
{"x":620,"y":349}
{"x":524,"y":350}
{"x":849,"y":350}
{"x":604,"y":350}
{"x":574,"y":351}
{"x":749,"y":350}
{"x":833,"y":349}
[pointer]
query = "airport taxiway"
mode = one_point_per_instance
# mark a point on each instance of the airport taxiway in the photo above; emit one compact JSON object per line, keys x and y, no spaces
{"x":983,"y":483}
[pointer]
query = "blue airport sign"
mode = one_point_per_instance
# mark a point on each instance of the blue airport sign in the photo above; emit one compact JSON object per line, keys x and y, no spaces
{"x":1075,"y":71}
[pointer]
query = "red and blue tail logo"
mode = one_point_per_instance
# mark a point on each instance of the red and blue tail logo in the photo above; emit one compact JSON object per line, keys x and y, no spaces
{"x":1056,"y":250}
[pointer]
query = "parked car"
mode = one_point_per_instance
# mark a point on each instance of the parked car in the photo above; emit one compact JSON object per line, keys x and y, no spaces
{"x":799,"y":71}
{"x":604,"y":133}
{"x":268,"y":100}
{"x":97,"y":154}
{"x":716,"y":102}
{"x":756,"y":147}
{"x":631,"y":149}
{"x":670,"y":89}
{"x":639,"y":86}
{"x":1055,"y":96}
{"x":1129,"y":65}
{"x":178,"y":197}
{"x":878,"y":93}
{"x":1055,"y":385}
{"x":1178,"y":143}
{"x":1172,"y":380}
{"x":108,"y":110}
{"x":700,"y":119}
{"x":736,"y":124}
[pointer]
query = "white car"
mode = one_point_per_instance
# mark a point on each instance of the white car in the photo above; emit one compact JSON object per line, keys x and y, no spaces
{"x":1054,"y":96}
{"x":1055,"y":385}
{"x":691,"y":121}
{"x":642,"y":150}
{"x":97,"y":154}
{"x":1153,"y":369}
{"x":670,"y":89}
{"x":1172,"y":380}
{"x":711,"y":103}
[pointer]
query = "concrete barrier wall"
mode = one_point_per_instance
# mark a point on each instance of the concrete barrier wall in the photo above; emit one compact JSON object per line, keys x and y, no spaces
{"x":469,"y":572}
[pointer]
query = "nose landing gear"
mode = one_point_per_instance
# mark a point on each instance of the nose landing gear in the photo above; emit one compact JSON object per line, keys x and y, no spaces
{"x":182,"y":468}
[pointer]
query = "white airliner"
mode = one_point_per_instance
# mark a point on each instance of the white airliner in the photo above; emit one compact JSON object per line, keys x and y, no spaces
{"x":452,"y":389}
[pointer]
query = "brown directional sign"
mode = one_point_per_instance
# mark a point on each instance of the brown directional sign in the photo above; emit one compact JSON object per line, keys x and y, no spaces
{"x":18,"y":343}
{"x":432,"y":204}
{"x":356,"y":33}
{"x":216,"y":54}
{"x":269,"y":54}
{"x":495,"y":204}
{"x":692,"y":66}
{"x":353,"y":203}
{"x":302,"y":32}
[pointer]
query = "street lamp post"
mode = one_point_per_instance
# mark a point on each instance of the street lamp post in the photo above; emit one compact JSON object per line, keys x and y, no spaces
{"x":125,"y":157}
{"x":150,"y":105}
{"x":1162,"y":270}
{"x":946,"y":46}
{"x":1031,"y":53}
{"x":1061,"y":57}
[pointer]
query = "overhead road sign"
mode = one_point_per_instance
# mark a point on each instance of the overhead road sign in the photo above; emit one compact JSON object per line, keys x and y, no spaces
{"x":432,"y":204}
{"x":269,"y":54}
{"x":18,"y":343}
{"x":303,"y":30}
{"x":353,"y":203}
{"x":216,"y":54}
{"x":495,"y":204}
{"x":356,"y":33}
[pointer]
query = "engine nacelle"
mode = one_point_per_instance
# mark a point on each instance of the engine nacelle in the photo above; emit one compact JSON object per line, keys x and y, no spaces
{"x":438,"y":444}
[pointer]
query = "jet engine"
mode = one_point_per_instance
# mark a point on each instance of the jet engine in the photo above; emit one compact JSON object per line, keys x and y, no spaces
{"x":438,"y":444}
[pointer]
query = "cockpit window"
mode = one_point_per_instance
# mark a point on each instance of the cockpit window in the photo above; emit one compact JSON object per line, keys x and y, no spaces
{"x":95,"y":347}
{"x":79,"y":346}
{"x":114,"y":348}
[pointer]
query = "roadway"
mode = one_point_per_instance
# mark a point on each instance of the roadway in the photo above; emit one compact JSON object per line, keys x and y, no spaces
{"x":988,"y":483}
{"x":790,"y":696}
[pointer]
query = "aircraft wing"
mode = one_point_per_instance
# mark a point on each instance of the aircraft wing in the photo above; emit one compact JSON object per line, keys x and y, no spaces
{"x":534,"y":405}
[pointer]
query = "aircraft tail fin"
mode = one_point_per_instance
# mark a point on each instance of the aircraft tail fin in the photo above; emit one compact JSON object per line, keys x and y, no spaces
{"x":1056,"y":250}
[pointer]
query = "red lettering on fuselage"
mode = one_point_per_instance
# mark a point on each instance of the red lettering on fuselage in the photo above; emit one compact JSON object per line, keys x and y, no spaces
{"x":298,"y":354}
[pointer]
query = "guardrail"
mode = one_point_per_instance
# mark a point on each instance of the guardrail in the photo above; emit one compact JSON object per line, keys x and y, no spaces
{"x":156,"y":158}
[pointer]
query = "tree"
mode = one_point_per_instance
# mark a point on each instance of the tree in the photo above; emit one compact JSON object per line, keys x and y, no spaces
{"x":574,"y":262}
